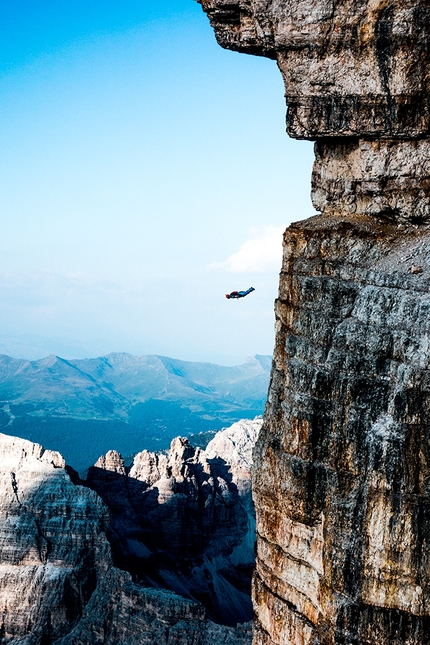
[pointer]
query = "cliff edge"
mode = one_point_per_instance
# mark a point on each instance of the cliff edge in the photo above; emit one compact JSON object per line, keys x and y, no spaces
{"x":342,"y":465}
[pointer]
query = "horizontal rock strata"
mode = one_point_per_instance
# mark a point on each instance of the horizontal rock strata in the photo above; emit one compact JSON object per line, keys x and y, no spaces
{"x":350,"y":68}
{"x":52,"y":543}
{"x":342,"y":463}
{"x":389,"y":180}
{"x":342,"y":486}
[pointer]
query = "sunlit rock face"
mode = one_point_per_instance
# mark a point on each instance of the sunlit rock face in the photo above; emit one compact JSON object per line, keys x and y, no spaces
{"x":354,"y":70}
{"x":388,"y":180}
{"x":53,"y":547}
{"x":342,"y":465}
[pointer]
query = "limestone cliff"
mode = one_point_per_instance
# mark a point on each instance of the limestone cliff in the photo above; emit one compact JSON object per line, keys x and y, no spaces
{"x":342,"y":466}
{"x":341,"y":488}
{"x":57,"y":580}
{"x":351,"y":68}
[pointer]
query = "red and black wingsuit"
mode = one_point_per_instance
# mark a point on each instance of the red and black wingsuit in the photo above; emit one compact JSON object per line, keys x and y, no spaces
{"x":239,"y":294}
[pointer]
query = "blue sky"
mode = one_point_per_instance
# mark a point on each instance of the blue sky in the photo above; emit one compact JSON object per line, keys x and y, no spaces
{"x":145,"y":173}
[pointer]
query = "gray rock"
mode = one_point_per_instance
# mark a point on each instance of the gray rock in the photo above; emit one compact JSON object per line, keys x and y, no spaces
{"x":342,"y":465}
{"x":185,"y":520}
{"x":123,"y":613}
{"x":350,"y":68}
{"x":341,"y":483}
{"x":53,"y":547}
{"x":355,"y":76}
{"x":57,"y":580}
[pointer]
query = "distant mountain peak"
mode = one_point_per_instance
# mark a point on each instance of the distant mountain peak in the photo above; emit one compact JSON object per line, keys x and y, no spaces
{"x":124,"y":400}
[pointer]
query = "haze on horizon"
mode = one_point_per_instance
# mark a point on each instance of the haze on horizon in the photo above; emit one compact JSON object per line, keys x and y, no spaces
{"x":145,"y":173}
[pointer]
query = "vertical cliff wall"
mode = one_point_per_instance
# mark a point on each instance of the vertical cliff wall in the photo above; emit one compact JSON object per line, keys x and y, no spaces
{"x":342,"y":478}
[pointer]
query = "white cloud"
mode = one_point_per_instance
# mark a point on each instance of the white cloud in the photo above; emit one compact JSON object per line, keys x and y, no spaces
{"x":261,"y":254}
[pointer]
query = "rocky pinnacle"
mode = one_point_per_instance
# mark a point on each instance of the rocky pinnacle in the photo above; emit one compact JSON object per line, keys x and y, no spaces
{"x":342,"y":465}
{"x":58,"y":581}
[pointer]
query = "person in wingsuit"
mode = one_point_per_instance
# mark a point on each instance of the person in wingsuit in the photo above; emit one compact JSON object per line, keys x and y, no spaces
{"x":239,"y":294}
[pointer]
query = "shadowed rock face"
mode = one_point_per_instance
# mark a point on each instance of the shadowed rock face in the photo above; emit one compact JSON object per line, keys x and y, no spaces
{"x":342,"y":465}
{"x":185,"y":520}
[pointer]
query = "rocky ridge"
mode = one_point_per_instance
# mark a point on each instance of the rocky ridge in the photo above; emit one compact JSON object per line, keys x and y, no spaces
{"x":185,"y":520}
{"x":342,"y":463}
{"x":58,"y":582}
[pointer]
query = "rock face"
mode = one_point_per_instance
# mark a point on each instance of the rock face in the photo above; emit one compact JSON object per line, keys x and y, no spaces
{"x":342,"y":465}
{"x":57,"y":580}
{"x":52,"y":543}
{"x":350,"y":68}
{"x":184,"y":521}
{"x":341,"y":488}
{"x":356,"y":80}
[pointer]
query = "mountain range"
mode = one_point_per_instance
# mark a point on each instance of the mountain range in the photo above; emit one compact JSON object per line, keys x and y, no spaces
{"x":85,"y":407}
